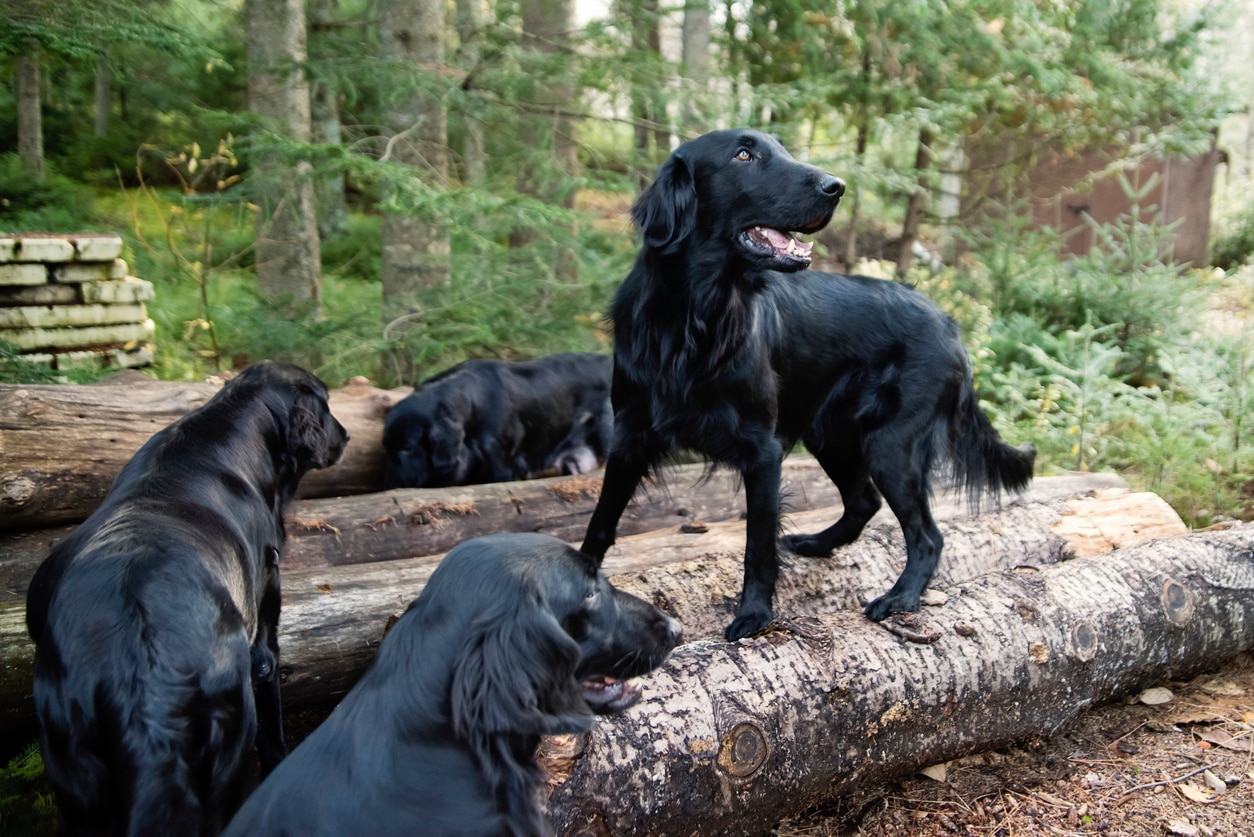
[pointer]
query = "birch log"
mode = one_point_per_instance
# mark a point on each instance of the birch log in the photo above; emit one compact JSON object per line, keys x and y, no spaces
{"x":334,"y":617}
{"x":730,"y":738}
{"x":62,"y":445}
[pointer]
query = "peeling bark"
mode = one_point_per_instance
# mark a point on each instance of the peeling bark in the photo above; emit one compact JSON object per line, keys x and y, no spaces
{"x":732,"y":737}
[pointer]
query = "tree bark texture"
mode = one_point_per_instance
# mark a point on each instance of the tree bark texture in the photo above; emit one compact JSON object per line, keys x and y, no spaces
{"x":731,"y":737}
{"x":548,"y":123}
{"x":334,"y":617}
{"x":915,"y":203}
{"x":30,"y":120}
{"x":695,"y":65}
{"x":416,"y":254}
{"x":62,"y":446}
{"x":288,"y":250}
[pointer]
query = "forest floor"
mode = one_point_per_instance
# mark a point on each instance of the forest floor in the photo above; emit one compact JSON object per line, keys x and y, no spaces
{"x":1184,"y":766}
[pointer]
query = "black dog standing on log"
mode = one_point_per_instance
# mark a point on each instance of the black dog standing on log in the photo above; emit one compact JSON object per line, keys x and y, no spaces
{"x":725,"y":344}
{"x":514,"y":637}
{"x":156,"y":619}
{"x":493,"y":421}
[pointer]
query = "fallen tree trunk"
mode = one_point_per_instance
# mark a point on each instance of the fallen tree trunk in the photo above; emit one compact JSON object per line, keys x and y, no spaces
{"x":63,"y":445}
{"x":413,"y":522}
{"x":409,"y":523}
{"x":334,"y":618}
{"x":732,"y":737}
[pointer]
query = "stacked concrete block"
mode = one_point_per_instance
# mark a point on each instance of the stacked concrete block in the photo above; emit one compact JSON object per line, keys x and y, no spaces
{"x":67,"y":300}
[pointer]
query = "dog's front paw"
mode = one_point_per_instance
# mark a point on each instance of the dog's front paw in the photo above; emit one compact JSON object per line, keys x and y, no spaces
{"x":890,"y":603}
{"x":749,"y":623}
{"x":805,"y":545}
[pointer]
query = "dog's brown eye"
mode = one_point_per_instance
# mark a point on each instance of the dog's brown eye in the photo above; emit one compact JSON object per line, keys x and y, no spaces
{"x":743,"y":155}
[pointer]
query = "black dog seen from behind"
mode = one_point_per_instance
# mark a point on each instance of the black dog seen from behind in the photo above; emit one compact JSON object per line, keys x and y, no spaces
{"x":155,"y":622}
{"x":725,"y":344}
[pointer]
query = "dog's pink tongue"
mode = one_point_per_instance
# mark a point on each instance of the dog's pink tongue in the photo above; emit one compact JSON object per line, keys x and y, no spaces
{"x":783,"y":242}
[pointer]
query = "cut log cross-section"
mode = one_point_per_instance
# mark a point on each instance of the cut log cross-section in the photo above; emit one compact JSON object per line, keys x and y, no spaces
{"x":730,"y":738}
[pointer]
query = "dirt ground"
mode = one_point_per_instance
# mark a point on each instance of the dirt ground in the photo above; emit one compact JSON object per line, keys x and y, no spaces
{"x":1184,"y":766}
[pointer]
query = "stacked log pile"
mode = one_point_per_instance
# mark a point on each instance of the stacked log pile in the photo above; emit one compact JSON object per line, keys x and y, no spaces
{"x":68,"y":301}
{"x":1077,"y":592}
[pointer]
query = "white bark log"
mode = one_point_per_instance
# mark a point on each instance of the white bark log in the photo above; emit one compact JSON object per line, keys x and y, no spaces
{"x":732,"y":737}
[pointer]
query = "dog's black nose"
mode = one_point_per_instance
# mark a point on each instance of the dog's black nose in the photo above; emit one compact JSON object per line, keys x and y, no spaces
{"x":833,"y":186}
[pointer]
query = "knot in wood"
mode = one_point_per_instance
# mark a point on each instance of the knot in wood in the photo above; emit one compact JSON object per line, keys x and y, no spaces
{"x":1084,"y":641}
{"x":744,"y":750}
{"x":1177,"y":602}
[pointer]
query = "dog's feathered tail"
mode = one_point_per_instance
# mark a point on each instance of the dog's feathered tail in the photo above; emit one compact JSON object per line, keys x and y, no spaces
{"x":982,"y":463}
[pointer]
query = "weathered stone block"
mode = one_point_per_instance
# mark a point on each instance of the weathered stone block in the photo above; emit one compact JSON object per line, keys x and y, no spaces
{"x":11,"y":295}
{"x":73,"y":338}
{"x":56,"y":316}
{"x":23,"y":274}
{"x":76,"y":273}
{"x":41,"y":249}
{"x":129,"y":289}
{"x":97,"y":248}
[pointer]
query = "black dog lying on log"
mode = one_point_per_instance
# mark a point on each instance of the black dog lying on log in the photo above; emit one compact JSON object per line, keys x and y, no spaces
{"x":725,"y":345}
{"x":513,"y":637}
{"x":156,"y":619}
{"x":492,"y":421}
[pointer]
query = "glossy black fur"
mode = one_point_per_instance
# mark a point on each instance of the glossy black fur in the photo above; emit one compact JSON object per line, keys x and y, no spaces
{"x":439,"y":735}
{"x":727,"y":349}
{"x":156,"y":619}
{"x":492,"y":421}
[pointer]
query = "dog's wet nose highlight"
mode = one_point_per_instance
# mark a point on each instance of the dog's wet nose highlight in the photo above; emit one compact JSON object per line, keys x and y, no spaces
{"x":833,"y":186}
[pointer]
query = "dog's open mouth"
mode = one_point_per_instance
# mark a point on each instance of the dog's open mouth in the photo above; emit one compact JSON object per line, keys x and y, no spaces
{"x":780,"y":245}
{"x":608,"y":694}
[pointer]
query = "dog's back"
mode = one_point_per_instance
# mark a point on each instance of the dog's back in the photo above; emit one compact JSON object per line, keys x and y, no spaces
{"x":144,"y":698}
{"x":143,"y":618}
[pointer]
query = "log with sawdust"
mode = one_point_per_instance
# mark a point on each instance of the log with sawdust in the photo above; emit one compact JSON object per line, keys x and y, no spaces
{"x":732,"y":737}
{"x":334,"y":617}
{"x":62,"y":445}
{"x":412,"y":522}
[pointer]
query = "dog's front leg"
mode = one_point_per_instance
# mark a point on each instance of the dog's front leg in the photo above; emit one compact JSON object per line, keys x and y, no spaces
{"x":761,"y":542}
{"x":623,"y":472}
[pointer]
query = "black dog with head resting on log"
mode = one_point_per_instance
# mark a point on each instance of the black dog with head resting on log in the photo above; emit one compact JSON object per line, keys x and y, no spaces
{"x":494,"y":421}
{"x":513,"y":637}
{"x":156,"y":619}
{"x":725,"y":344}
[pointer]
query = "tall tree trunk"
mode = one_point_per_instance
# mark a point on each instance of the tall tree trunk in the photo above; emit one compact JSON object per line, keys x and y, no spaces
{"x":416,"y":250}
{"x":470,"y":17}
{"x":914,"y":206}
{"x":326,"y":127}
{"x":550,"y":124}
{"x":103,"y":95}
{"x":696,"y":65}
{"x":650,"y":138}
{"x":30,"y":121}
{"x":288,"y":251}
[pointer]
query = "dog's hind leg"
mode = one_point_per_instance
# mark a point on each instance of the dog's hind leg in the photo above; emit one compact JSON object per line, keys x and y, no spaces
{"x":847,"y":469}
{"x":905,"y":489}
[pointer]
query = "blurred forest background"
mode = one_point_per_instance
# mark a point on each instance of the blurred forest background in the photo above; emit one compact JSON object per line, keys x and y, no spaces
{"x":387,"y":187}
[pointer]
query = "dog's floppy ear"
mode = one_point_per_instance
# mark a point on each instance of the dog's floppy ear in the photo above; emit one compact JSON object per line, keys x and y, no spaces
{"x":514,"y":673}
{"x":307,"y":441}
{"x":667,"y":211}
{"x":447,"y":434}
